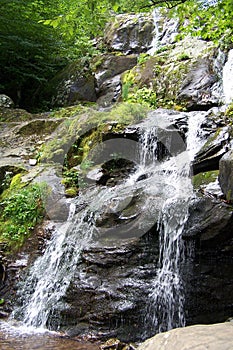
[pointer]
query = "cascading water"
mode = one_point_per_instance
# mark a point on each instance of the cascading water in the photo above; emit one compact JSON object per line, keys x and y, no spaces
{"x":227,"y":78}
{"x":155,"y":41}
{"x":167,"y":188}
{"x":165,"y":308}
{"x":51,"y":273}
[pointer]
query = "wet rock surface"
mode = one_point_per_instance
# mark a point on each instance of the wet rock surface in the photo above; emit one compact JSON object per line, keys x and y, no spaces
{"x":109,"y":291}
{"x":226,"y":175}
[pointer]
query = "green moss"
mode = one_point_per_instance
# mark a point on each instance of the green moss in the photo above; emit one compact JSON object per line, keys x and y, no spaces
{"x":183,"y":57}
{"x":14,"y":115}
{"x":69,"y":112}
{"x":71,"y":192}
{"x":204,"y":178}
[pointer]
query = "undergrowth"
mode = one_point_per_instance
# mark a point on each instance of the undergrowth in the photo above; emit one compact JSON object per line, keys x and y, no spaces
{"x":21,"y":209}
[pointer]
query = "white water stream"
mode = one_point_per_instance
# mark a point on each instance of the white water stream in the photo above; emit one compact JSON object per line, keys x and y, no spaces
{"x":228,"y":78}
{"x":167,"y":189}
{"x":165,"y":308}
{"x":155,"y":41}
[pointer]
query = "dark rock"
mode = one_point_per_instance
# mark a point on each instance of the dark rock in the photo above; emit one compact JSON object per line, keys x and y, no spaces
{"x":109,"y":290}
{"x":208,"y":269}
{"x":226,"y":175}
{"x":216,"y":146}
{"x":73,"y":84}
{"x":130,"y":33}
{"x":108,"y":77}
{"x":210,"y":221}
{"x":117,"y":170}
{"x":196,"y":88}
{"x":110,"y":66}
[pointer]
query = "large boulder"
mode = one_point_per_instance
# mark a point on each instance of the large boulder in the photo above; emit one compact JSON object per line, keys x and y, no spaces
{"x":6,"y":101}
{"x":214,"y":337}
{"x":226,"y":175}
{"x":215,"y":147}
{"x":130,"y":33}
{"x":108,"y":69}
{"x":185,"y":74}
{"x":73,"y":84}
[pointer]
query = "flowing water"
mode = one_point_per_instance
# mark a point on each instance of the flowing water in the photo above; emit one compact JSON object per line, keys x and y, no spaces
{"x":227,"y":78}
{"x":155,"y":42}
{"x":167,"y":178}
{"x":166,"y":299}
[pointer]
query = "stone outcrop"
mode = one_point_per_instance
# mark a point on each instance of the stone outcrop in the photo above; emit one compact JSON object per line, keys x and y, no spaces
{"x":73,"y":84}
{"x":215,"y":337}
{"x":108,"y":69}
{"x":226,"y":175}
{"x":187,"y":73}
{"x":216,"y":146}
{"x":130,"y":33}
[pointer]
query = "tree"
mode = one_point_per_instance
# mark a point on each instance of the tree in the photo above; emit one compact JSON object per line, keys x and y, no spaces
{"x":29,"y":50}
{"x":209,"y":19}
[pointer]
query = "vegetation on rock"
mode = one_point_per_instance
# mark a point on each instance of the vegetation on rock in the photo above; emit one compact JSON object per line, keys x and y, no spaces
{"x":21,"y":209}
{"x":38,"y":38}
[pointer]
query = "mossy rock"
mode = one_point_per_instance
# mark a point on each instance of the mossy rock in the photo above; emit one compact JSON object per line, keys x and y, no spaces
{"x":89,"y":125}
{"x":203,"y":179}
{"x":73,"y":84}
{"x":167,"y":72}
{"x":14,"y":115}
{"x":44,"y":127}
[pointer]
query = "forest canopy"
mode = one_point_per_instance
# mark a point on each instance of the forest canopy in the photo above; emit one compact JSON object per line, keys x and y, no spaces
{"x":39,"y":37}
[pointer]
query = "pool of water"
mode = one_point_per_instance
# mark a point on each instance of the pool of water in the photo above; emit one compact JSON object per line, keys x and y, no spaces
{"x":16,"y":338}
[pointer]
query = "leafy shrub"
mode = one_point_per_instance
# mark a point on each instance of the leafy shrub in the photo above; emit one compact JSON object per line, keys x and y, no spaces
{"x":145,"y":96}
{"x":20,"y":210}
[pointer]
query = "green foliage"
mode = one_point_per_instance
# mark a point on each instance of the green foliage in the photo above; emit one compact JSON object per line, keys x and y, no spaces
{"x":143,"y":57}
{"x":145,"y":96}
{"x":21,"y":208}
{"x":183,"y":57}
{"x":29,"y":51}
{"x":229,"y":112}
{"x":210,"y":20}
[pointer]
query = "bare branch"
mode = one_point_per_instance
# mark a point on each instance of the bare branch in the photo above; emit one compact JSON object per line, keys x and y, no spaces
{"x":170,"y":4}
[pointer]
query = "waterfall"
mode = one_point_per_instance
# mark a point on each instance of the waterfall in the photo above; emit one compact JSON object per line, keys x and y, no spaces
{"x":155,"y":40}
{"x":165,"y":308}
{"x":51,"y":273}
{"x":227,"y":78}
{"x":167,"y":187}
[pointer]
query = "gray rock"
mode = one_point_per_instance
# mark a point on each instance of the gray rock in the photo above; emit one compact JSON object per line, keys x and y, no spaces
{"x":196,"y":88}
{"x":226,"y":175}
{"x":215,"y":147}
{"x":108,"y":77}
{"x":73,"y":84}
{"x":6,"y":101}
{"x":130,"y":33}
{"x":210,"y":220}
{"x":200,"y":337}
